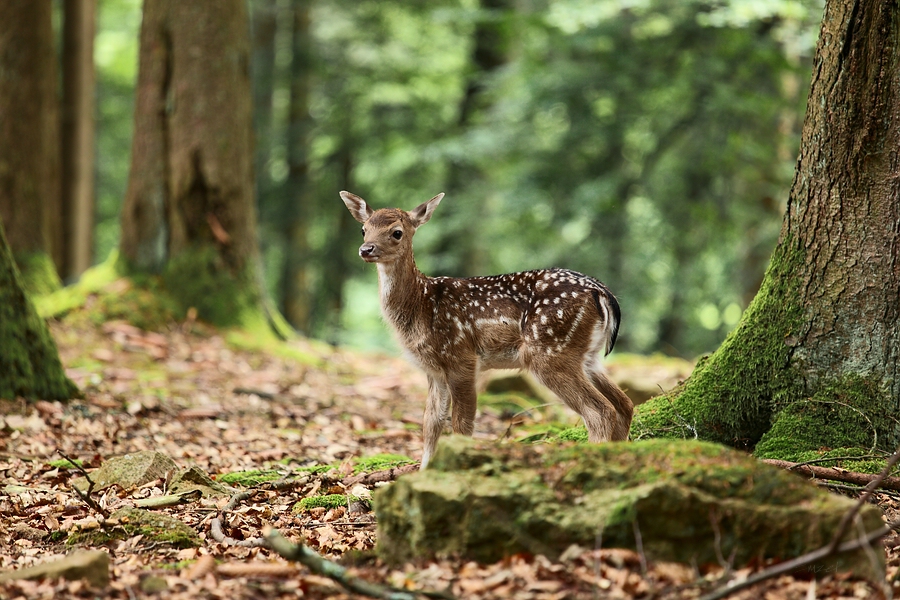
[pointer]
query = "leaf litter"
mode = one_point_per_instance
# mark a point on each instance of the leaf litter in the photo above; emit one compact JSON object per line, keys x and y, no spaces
{"x":204,"y":403}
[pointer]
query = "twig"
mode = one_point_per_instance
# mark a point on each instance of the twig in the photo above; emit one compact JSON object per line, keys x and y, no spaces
{"x":378,"y":476}
{"x":317,"y":564}
{"x":801,"y":562}
{"x":833,"y":547}
{"x":863,"y":498}
{"x":512,"y":419}
{"x":86,"y":496}
{"x":833,"y":474}
{"x":218,"y":533}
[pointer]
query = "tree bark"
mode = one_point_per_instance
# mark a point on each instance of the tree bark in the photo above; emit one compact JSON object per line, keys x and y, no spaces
{"x":297,"y":201}
{"x":189,"y":212}
{"x":29,"y":132}
{"x":29,"y":360}
{"x":815,"y":361}
{"x":77,"y":143}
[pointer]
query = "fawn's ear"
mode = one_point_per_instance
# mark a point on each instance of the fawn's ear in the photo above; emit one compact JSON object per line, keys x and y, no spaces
{"x":422,"y":213}
{"x":357,"y":207}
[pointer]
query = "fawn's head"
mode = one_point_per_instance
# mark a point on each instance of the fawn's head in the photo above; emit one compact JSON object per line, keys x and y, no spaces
{"x":387,"y":232}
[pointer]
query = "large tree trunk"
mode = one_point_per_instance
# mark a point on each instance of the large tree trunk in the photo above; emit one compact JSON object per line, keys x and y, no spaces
{"x":77,"y":141}
{"x":815,"y":362}
{"x":29,"y":360}
{"x":29,"y":134}
{"x":189,"y":212}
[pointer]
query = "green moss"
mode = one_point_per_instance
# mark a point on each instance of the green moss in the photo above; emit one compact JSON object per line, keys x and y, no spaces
{"x":60,"y":302}
{"x":380,"y":462}
{"x":38,"y":273}
{"x":847,"y":413}
{"x":573,"y":434}
{"x":326,"y":501}
{"x":65,"y":463}
{"x":731,"y":396}
{"x":156,"y":528}
{"x":250,"y":478}
{"x":29,"y":359}
{"x":58,"y":536}
{"x":198,"y":278}
{"x":144,"y":304}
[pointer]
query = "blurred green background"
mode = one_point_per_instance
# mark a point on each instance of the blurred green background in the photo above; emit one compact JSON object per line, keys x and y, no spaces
{"x":648,"y":143}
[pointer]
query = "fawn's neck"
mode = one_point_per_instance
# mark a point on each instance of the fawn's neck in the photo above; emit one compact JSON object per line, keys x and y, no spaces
{"x":402,"y":288}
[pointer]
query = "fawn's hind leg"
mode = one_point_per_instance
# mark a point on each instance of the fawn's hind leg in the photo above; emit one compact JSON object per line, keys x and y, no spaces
{"x":574,"y":388}
{"x":619,"y":399}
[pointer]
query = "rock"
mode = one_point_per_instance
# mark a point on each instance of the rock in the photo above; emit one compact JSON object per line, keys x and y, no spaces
{"x":90,"y":565}
{"x":129,"y":471}
{"x":485,"y":501}
{"x":196,"y":478}
{"x":155,"y":527}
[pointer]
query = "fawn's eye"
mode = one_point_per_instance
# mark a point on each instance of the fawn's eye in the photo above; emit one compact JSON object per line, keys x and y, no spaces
{"x":363,"y":231}
{"x":397,"y":234}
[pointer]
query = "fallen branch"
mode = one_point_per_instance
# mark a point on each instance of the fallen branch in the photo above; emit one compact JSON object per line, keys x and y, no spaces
{"x":802,"y":561}
{"x":835,"y":474}
{"x":321,"y":566}
{"x":86,"y":496}
{"x":379,"y":476}
{"x":218,"y":533}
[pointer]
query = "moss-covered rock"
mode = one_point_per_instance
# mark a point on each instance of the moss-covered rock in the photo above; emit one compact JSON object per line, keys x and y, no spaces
{"x":29,"y":360}
{"x":155,"y":527}
{"x":130,"y":470}
{"x":196,"y":479}
{"x":484,"y":502}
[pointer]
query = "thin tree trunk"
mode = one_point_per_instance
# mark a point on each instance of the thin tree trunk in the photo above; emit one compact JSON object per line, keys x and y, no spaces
{"x":29,"y":133}
{"x":77,"y":129}
{"x":264,"y":28}
{"x":296,"y":296}
{"x":189,"y":210}
{"x":815,"y":361}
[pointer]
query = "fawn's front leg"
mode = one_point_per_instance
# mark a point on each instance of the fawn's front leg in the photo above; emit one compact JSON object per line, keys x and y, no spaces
{"x":465,"y":400}
{"x":435,"y":414}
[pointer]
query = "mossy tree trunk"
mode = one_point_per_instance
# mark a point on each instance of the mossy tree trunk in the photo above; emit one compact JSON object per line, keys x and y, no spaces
{"x":29,"y":360}
{"x":29,"y":136}
{"x":815,"y":362}
{"x":189,"y":212}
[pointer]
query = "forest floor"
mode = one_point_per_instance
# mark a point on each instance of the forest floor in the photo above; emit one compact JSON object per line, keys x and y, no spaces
{"x":193,"y":395}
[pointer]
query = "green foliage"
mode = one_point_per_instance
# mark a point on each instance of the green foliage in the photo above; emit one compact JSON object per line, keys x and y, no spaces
{"x":650,"y":144}
{"x":65,"y":463}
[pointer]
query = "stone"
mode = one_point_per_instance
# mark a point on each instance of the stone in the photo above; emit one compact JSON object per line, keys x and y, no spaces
{"x":484,"y":501}
{"x":129,"y":471}
{"x":90,"y":565}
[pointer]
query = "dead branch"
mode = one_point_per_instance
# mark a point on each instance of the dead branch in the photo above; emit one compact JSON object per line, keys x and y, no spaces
{"x":218,"y":533}
{"x":321,"y":566}
{"x":85,"y":496}
{"x":801,"y":562}
{"x":835,"y":474}
{"x":379,"y":476}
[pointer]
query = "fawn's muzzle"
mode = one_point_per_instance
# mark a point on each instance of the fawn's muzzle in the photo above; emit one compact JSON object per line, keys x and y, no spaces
{"x":367,"y":251}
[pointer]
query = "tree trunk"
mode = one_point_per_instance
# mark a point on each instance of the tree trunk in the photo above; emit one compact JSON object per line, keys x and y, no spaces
{"x":264,"y":28}
{"x":189,"y":212}
{"x":29,"y":361}
{"x":77,"y":143}
{"x":815,"y":361}
{"x":297,"y":200}
{"x":29,"y":133}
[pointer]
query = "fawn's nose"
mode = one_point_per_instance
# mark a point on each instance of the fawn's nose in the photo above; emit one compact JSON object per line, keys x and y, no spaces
{"x":366,"y":250}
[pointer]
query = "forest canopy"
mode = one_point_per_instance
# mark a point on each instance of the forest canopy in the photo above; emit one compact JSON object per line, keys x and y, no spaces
{"x":649,"y":143}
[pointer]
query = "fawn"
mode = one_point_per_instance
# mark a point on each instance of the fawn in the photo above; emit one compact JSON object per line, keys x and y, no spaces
{"x":551,"y":322}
